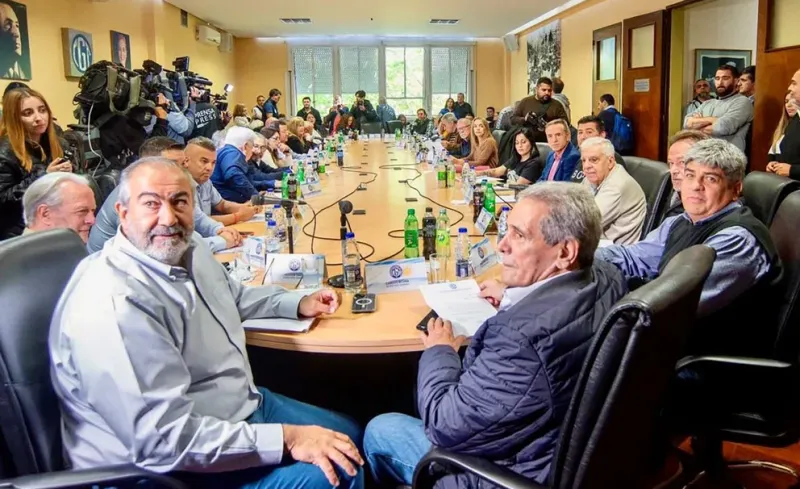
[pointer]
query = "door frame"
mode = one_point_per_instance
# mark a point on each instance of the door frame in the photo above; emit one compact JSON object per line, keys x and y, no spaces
{"x":614,"y":30}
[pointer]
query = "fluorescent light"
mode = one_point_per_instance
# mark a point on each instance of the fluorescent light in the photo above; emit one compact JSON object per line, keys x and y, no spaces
{"x":546,"y":16}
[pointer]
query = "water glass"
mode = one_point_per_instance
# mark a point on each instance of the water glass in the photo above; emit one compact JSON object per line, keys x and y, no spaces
{"x":241,"y":269}
{"x":438,"y":266}
{"x":312,"y":276}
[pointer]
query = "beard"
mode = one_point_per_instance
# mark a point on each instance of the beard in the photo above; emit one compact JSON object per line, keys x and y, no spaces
{"x":169,"y":251}
{"x":725,"y":91}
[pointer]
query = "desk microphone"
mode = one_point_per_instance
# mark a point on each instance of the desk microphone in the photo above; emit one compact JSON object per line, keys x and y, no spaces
{"x":259,"y":199}
{"x":345,"y":207}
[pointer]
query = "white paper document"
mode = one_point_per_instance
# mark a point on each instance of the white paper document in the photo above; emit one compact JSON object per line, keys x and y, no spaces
{"x":237,"y":249}
{"x":460,"y":303}
{"x":279,"y":324}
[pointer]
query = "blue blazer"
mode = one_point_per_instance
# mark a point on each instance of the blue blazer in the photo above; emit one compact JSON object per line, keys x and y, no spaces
{"x":569,"y":160}
{"x":230,"y":175}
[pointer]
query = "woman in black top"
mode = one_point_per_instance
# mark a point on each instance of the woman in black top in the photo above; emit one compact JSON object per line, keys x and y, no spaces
{"x":784,"y":155}
{"x":29,"y":148}
{"x":296,"y":140}
{"x":524,"y":167}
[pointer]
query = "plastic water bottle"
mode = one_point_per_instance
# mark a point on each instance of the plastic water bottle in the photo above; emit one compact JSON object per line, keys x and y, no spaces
{"x":321,"y":166}
{"x":411,"y":235}
{"x":443,"y":234}
{"x":463,"y":270}
{"x":477,"y":201}
{"x":280,"y":221}
{"x":502,"y":224}
{"x":451,"y":175}
{"x":353,"y":280}
{"x":301,"y":173}
{"x":340,"y":155}
{"x":272,"y":241}
{"x":441,"y":176}
{"x":285,"y":186}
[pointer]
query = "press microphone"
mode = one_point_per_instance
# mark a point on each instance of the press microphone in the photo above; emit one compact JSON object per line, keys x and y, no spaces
{"x":259,"y":199}
{"x":345,"y":207}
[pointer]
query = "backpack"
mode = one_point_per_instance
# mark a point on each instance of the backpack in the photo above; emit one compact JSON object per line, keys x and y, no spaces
{"x":622,"y":137}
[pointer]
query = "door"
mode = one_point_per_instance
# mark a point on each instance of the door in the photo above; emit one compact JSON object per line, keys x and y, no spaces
{"x":643,"y":82}
{"x":607,"y":54}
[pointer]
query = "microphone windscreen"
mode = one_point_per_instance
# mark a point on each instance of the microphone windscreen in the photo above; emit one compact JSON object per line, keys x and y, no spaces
{"x":345,"y":206}
{"x":255,"y":199}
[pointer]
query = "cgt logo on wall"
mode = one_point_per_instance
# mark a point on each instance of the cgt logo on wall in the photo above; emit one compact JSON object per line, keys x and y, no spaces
{"x":78,"y":52}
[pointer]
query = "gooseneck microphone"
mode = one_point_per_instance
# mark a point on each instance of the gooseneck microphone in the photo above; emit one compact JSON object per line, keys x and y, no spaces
{"x":345,"y":207}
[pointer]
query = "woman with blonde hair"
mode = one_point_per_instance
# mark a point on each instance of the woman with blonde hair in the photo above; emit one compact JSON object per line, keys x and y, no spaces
{"x":29,"y":148}
{"x":483,"y":148}
{"x":784,"y":154}
{"x":297,"y":130}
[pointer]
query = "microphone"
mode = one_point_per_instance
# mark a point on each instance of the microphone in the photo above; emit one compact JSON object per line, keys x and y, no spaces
{"x":345,"y":206}
{"x":259,"y":199}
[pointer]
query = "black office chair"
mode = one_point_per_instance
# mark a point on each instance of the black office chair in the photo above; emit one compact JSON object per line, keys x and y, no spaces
{"x":756,"y":401}
{"x":371,"y":128}
{"x":35,"y":269}
{"x":653,"y":177}
{"x":498,"y":136}
{"x":609,"y":435}
{"x":394,"y":126}
{"x":544,"y":152}
{"x":763,"y":193}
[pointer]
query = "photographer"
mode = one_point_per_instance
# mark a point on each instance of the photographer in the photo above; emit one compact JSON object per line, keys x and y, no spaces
{"x":362,"y":109}
{"x":207,"y":119}
{"x":29,"y":148}
{"x":180,"y":125}
{"x":336,"y":115}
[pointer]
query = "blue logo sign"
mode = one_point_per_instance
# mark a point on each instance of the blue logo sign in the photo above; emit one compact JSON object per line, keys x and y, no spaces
{"x":294,"y":264}
{"x":396,"y":271}
{"x":481,"y":253}
{"x":81,"y":53}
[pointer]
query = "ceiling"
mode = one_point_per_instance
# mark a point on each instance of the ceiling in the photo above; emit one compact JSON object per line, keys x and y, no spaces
{"x":384,"y":18}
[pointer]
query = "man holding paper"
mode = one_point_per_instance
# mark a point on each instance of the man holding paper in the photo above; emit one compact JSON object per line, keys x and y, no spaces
{"x":150,"y":364}
{"x":507,"y":400}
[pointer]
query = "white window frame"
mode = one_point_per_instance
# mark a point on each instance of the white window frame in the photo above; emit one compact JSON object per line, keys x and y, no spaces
{"x":381,"y":45}
{"x":292,"y":79}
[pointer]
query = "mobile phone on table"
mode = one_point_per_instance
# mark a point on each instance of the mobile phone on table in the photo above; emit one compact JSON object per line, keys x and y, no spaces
{"x":363,"y":303}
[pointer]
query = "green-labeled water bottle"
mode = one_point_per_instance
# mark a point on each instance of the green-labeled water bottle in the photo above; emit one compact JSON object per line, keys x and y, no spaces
{"x":397,"y":134}
{"x":489,"y":199}
{"x":441,"y":175}
{"x":451,"y":175}
{"x":285,"y":186}
{"x":301,"y":173}
{"x":411,"y":235}
{"x":443,"y":234}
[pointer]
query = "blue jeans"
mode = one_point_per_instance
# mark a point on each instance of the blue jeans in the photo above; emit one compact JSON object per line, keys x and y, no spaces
{"x":393,"y":445}
{"x":290,"y":474}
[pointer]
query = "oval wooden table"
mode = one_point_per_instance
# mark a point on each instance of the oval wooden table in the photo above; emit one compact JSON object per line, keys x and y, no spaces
{"x":392,"y":327}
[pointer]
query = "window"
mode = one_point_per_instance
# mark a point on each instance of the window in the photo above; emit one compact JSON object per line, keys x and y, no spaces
{"x":449,"y":74}
{"x":358,"y":70}
{"x":313,"y":76}
{"x":405,"y":79}
{"x":607,"y":59}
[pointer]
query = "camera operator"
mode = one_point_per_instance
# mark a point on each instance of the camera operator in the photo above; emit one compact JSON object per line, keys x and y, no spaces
{"x":207,"y":118}
{"x":170,"y":121}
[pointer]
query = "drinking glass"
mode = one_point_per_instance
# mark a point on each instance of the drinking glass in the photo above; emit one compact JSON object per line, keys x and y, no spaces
{"x":438,"y":266}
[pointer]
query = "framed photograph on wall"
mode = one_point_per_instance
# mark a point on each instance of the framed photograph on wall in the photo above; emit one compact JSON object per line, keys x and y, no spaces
{"x":15,"y":54}
{"x":78,"y":52}
{"x":706,"y":62}
{"x":121,"y":49}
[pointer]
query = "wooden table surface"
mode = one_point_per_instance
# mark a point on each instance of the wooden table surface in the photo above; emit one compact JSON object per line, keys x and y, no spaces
{"x":392,"y":327}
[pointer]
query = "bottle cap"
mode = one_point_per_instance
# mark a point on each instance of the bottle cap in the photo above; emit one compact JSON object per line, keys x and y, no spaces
{"x":411,"y":212}
{"x":429,"y":209}
{"x":350,"y":235}
{"x":276,"y":206}
{"x":271,"y":223}
{"x":506,"y":208}
{"x":462,"y":230}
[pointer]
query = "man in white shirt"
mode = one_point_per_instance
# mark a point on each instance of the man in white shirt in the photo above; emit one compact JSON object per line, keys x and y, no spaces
{"x":150,"y":364}
{"x":619,"y":197}
{"x":59,"y":200}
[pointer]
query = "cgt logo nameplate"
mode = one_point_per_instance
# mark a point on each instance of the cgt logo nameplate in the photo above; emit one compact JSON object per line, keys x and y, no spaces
{"x":395,"y":276}
{"x":292,"y":268}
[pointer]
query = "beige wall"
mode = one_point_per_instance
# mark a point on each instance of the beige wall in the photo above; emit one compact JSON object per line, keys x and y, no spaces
{"x":577,"y":26}
{"x":261,"y":65}
{"x":490,"y":76}
{"x":141,"y":19}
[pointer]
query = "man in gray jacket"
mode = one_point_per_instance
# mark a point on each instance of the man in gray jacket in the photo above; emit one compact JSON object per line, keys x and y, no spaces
{"x":507,"y":400}
{"x":728,"y":116}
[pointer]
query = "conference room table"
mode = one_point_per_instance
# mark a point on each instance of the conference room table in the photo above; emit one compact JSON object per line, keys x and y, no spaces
{"x":392,"y":327}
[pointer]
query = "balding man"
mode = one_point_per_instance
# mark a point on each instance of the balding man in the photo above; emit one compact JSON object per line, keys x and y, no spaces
{"x":447,"y":129}
{"x":464,"y":129}
{"x":508,"y":398}
{"x":59,"y":200}
{"x":230,"y":175}
{"x":619,"y":197}
{"x":215,"y":235}
{"x":746,"y":262}
{"x":150,"y":363}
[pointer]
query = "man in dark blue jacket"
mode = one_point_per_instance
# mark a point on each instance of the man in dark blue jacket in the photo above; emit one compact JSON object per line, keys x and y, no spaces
{"x":564,"y":157}
{"x":230,"y":176}
{"x":271,"y":107}
{"x":507,"y":400}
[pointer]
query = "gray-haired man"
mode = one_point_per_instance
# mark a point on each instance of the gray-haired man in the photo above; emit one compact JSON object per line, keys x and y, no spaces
{"x":59,"y":200}
{"x":746,"y":261}
{"x":507,"y":400}
{"x":150,"y":365}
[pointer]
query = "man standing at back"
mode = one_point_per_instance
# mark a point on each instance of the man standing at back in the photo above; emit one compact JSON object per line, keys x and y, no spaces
{"x":539,"y":109}
{"x":507,"y":400}
{"x":271,"y":106}
{"x":362,"y":109}
{"x":150,"y":366}
{"x":727,"y":117}
{"x":309,"y":109}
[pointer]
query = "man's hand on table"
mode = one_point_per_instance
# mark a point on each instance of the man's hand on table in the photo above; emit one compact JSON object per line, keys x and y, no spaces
{"x":321,"y":302}
{"x":321,"y":446}
{"x":493,"y":290}
{"x":231,"y":236}
{"x":440,"y":332}
{"x":245,"y":213}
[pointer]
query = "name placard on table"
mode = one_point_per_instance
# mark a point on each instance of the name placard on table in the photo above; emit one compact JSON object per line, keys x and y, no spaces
{"x":293,"y":268}
{"x":395,"y":276}
{"x":482,"y":256}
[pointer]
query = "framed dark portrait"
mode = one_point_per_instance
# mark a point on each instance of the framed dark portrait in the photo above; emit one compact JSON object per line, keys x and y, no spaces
{"x":121,"y":49}
{"x":15,"y":54}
